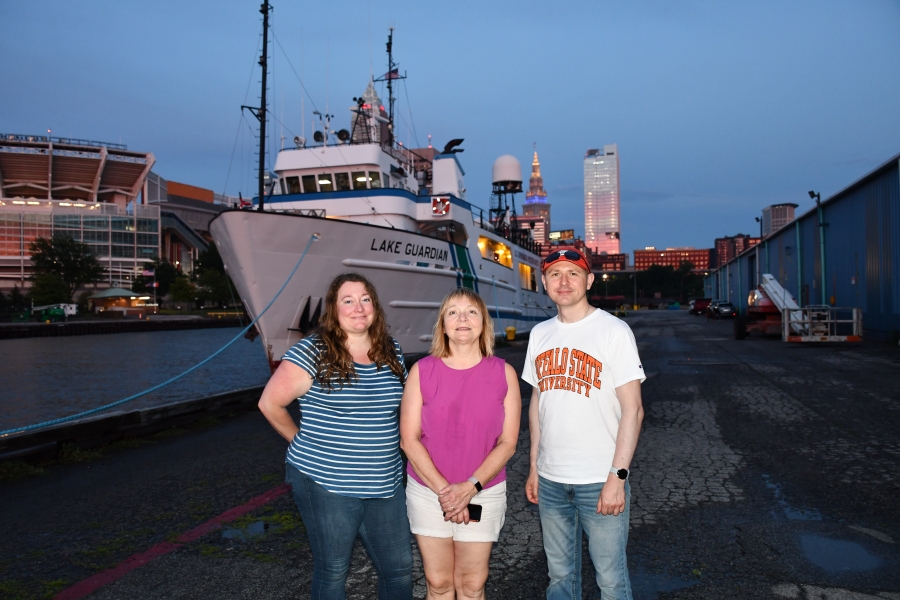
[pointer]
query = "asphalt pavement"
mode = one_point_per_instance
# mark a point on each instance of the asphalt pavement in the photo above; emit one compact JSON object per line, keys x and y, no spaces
{"x":764,"y":470}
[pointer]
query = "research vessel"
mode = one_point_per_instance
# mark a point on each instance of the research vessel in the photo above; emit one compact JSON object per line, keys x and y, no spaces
{"x":398,"y":216}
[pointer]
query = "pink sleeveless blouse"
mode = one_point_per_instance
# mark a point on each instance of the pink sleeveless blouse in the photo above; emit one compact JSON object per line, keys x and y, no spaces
{"x":462,"y":416}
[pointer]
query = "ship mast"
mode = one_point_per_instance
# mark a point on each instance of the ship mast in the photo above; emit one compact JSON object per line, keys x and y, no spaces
{"x":260,"y":112}
{"x":392,"y":74}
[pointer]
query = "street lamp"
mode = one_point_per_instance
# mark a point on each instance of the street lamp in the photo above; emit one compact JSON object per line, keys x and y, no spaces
{"x":813,"y":195}
{"x":606,"y":283}
{"x":634,"y":276}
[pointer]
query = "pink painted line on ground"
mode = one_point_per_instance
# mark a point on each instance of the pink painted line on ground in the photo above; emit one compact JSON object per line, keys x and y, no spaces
{"x":95,"y":582}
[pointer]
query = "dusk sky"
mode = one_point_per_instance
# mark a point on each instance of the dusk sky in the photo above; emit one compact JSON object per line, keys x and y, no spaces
{"x":718,"y":108}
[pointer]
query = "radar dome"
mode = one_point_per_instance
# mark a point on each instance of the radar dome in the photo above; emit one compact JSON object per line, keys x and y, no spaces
{"x":507,"y":170}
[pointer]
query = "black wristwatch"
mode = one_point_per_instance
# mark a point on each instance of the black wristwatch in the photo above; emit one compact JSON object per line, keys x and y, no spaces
{"x":474,"y":481}
{"x":620,"y":473}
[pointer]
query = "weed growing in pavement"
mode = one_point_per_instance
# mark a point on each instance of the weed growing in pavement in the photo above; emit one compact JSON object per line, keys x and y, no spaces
{"x":205,"y":422}
{"x":105,"y":555}
{"x":14,"y":590}
{"x":210,"y":551}
{"x":13,"y":470}
{"x":71,"y":453}
{"x":51,"y":588}
{"x":167,"y":433}
{"x":260,"y":556}
{"x":172,"y":536}
{"x":298,"y":544}
{"x":125,"y":443}
{"x":286,"y":521}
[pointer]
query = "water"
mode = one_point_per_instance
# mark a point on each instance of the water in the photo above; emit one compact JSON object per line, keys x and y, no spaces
{"x":648,"y":586}
{"x":48,"y":378}
{"x":837,"y":555}
{"x":790,"y":512}
{"x":249,"y":532}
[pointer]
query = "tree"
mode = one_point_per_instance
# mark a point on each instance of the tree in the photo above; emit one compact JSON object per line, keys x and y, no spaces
{"x":183,"y":290}
{"x":210,"y":259}
{"x":17,"y":300}
{"x":215,"y":287}
{"x":165,"y":275}
{"x":72,"y":261}
{"x":215,"y":284}
{"x":48,"y":288}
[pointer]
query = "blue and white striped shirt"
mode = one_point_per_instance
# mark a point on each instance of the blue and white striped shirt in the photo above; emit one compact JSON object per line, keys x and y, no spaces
{"x":349,"y":438}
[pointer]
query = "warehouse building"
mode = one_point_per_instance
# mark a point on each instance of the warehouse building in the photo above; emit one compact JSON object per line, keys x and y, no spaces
{"x":845,"y":252}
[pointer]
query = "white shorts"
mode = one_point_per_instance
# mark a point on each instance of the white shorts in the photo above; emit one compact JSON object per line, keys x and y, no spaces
{"x":426,"y":517}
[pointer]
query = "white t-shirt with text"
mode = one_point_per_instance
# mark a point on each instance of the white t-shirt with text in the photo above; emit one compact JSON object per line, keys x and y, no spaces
{"x":577,"y":368}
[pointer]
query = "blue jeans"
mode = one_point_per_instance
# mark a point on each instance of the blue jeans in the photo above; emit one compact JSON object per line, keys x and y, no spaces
{"x":568,"y":509}
{"x":332,"y":523}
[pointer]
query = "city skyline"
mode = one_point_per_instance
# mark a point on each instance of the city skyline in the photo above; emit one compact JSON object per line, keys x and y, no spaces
{"x":720,"y":109}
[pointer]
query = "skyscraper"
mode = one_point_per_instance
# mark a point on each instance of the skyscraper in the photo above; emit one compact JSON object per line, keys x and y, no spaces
{"x":536,"y":204}
{"x":775,"y":217}
{"x":601,"y":199}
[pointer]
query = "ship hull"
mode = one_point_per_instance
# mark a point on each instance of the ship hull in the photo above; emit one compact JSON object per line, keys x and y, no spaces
{"x":411,"y":273}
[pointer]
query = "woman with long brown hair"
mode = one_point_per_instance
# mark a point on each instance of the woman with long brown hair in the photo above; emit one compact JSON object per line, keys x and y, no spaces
{"x":343,"y":461}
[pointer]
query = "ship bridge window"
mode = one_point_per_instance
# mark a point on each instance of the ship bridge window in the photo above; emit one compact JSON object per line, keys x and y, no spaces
{"x":309,"y":184}
{"x":527,"y":277}
{"x":325,"y":183}
{"x":374,"y":179}
{"x":359,"y":180}
{"x":293,"y":185}
{"x":495,"y":251}
{"x":342,"y":182}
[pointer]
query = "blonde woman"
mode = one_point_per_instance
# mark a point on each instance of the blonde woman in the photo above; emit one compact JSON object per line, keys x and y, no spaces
{"x":459,"y":422}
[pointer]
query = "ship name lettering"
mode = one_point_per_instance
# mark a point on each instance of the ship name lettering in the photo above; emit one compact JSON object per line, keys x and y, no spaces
{"x":387,"y":246}
{"x":425,"y":251}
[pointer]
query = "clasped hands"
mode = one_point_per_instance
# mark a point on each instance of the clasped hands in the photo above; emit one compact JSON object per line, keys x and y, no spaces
{"x":454,"y":499}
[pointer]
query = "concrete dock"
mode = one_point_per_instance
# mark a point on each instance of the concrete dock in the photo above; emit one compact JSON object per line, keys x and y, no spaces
{"x":764,"y":470}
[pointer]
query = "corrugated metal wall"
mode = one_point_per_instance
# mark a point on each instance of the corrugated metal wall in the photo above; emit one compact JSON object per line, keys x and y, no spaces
{"x":862,"y":255}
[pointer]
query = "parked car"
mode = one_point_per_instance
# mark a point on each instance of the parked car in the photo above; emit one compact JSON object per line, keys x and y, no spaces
{"x":710,"y":309}
{"x":699,"y":305}
{"x":724,"y":310}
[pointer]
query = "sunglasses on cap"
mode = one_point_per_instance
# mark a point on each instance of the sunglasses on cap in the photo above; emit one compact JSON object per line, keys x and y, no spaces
{"x":566,"y":255}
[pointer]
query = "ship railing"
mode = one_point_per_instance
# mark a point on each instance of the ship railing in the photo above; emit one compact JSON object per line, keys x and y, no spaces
{"x":520,"y":237}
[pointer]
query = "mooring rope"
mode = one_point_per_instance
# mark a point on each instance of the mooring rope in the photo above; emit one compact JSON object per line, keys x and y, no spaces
{"x":92,"y":411}
{"x":496,"y":305}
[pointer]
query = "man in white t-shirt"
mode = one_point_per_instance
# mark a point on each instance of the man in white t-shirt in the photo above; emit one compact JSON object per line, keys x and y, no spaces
{"x":585,"y":418}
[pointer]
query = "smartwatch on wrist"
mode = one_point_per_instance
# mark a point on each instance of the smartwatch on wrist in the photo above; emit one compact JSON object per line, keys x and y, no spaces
{"x":620,"y":473}
{"x":474,"y":481}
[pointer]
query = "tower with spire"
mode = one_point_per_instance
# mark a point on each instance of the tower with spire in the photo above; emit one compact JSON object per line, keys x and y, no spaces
{"x":536,"y":204}
{"x":370,"y":120}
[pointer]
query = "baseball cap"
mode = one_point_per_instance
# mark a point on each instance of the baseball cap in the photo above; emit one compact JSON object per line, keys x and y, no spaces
{"x":568,"y":255}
